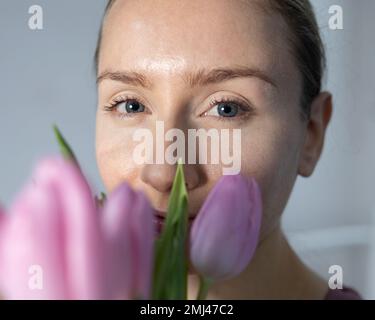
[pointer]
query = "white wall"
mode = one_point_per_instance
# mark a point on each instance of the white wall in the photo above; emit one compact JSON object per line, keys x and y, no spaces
{"x":329,"y":214}
{"x":46,"y":77}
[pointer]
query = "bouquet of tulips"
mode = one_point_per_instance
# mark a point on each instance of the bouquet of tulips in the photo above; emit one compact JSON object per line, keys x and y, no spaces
{"x":58,"y":241}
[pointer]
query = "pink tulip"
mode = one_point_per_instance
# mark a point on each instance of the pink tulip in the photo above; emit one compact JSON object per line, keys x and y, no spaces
{"x":224,"y":235}
{"x":2,"y":222}
{"x":130,"y":235}
{"x":54,"y":229}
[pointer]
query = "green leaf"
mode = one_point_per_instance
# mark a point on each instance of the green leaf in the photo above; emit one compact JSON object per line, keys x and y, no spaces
{"x":65,"y":149}
{"x":171,"y":264}
{"x":68,"y":154}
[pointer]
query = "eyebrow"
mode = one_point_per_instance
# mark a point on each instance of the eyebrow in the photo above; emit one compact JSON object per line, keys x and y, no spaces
{"x":201,"y":77}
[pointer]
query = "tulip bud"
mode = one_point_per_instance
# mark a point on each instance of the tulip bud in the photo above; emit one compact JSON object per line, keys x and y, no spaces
{"x":51,"y":246}
{"x":2,"y":220}
{"x":129,"y":230}
{"x":2,"y":226}
{"x":54,"y":244}
{"x":225,"y":233}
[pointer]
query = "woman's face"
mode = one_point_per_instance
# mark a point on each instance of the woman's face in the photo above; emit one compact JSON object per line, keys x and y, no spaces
{"x":168,"y":42}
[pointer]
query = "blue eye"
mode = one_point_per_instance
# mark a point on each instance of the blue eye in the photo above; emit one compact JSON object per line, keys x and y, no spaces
{"x":130,"y":106}
{"x":227,"y":110}
{"x":125,"y":106}
{"x":223,"y":109}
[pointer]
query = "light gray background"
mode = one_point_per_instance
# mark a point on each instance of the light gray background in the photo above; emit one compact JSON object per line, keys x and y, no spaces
{"x":47,"y":77}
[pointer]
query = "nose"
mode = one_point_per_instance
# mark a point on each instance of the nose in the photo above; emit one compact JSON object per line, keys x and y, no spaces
{"x":161,"y":176}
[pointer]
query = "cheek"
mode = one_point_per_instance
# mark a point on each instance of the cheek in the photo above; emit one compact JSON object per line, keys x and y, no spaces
{"x":271,"y":156}
{"x":114,"y":148}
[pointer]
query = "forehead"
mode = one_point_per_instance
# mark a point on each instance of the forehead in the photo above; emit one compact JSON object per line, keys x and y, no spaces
{"x":164,"y":36}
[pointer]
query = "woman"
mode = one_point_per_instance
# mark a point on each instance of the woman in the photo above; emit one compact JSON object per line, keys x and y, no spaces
{"x":252,"y":65}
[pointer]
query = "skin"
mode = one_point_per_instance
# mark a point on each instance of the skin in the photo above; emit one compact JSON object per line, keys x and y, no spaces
{"x":166,"y":39}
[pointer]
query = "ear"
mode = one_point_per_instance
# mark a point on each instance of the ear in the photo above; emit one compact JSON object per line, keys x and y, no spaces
{"x":321,"y":112}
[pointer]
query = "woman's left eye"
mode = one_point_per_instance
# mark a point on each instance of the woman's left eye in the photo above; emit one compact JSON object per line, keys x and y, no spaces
{"x":227,"y":109}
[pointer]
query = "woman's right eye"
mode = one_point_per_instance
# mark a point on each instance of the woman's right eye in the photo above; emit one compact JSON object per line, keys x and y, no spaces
{"x":130,"y":106}
{"x":125,"y":106}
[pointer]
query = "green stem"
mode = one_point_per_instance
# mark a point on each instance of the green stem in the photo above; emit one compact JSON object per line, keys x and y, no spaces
{"x":204,"y":285}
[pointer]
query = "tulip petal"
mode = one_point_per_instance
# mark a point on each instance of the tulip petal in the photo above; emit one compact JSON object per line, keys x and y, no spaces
{"x":33,"y":266}
{"x":117,"y":235}
{"x":129,"y":231}
{"x":249,"y":244}
{"x":144,"y":229}
{"x":225,"y":233}
{"x":2,"y":223}
{"x":3,"y":220}
{"x":83,"y":244}
{"x":2,"y":217}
